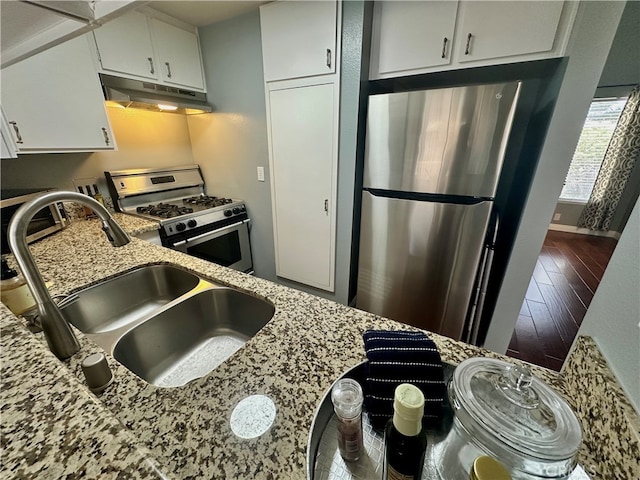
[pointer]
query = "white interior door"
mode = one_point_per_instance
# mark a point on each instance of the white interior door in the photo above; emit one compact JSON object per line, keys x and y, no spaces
{"x":303,"y":139}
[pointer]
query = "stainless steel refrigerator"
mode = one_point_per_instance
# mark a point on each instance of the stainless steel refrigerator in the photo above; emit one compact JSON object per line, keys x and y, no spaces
{"x":432,"y":165}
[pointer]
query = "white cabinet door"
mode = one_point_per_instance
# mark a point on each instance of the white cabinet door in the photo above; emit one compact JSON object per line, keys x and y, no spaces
{"x":298,"y":39}
{"x":178,"y":55}
{"x":124,"y":46}
{"x":412,"y":35}
{"x":303,"y":139}
{"x":501,"y":29}
{"x":55,"y":101}
{"x":8,"y":144}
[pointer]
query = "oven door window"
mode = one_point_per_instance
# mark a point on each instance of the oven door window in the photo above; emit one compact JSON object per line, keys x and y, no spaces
{"x":224,"y":250}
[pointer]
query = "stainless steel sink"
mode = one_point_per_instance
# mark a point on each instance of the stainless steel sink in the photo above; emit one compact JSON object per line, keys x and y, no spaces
{"x":192,"y":337}
{"x":124,"y":299}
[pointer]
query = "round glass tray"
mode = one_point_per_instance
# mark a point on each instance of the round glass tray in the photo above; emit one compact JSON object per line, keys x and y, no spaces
{"x":323,"y":457}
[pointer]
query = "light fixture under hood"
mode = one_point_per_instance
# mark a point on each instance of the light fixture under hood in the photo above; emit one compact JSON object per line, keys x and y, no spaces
{"x":152,"y":96}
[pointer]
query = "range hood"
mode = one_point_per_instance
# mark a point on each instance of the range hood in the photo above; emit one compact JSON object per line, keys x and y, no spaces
{"x":151,"y":96}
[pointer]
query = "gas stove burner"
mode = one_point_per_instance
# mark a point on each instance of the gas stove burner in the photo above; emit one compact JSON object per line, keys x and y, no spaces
{"x":164,"y":210}
{"x":207,"y":201}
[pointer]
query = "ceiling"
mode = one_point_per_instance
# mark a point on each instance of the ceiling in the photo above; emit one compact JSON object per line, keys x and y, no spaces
{"x":204,"y":12}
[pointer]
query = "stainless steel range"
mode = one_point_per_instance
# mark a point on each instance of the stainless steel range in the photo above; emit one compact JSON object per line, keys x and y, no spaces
{"x":207,"y":227}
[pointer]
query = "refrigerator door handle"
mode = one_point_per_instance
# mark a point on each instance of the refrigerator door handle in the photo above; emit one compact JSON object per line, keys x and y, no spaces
{"x":474,"y":327}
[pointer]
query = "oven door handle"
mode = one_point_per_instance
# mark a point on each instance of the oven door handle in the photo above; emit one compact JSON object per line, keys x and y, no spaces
{"x":233,"y":226}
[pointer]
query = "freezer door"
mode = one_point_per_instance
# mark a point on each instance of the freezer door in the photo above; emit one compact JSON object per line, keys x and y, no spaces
{"x":419,"y":260}
{"x":443,"y":141}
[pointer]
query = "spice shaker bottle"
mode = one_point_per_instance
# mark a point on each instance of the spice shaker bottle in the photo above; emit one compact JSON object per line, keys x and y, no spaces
{"x":347,"y":399}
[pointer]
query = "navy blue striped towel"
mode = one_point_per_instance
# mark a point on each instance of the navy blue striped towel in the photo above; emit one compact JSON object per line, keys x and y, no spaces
{"x":395,"y":357}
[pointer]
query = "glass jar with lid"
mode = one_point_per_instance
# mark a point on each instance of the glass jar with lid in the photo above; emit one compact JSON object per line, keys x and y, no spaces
{"x":504,"y":412}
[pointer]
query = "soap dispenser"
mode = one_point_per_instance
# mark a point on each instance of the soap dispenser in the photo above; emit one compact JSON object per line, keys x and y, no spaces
{"x":14,"y":291}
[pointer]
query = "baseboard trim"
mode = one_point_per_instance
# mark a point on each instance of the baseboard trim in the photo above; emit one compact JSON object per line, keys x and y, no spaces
{"x":583,"y":231}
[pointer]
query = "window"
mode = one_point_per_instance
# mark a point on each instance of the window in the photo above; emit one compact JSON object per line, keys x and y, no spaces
{"x":597,"y":131}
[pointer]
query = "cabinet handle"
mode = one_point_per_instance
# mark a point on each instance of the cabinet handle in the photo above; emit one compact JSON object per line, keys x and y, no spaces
{"x":466,"y":50}
{"x":152,"y":70}
{"x":106,"y":136}
{"x":17,"y":130}
{"x":168,"y":69}
{"x":444,"y":47}
{"x":326,"y":206}
{"x":329,"y":57}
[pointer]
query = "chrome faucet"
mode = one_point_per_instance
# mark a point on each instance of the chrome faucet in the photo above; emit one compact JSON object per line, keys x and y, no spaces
{"x":60,"y":337}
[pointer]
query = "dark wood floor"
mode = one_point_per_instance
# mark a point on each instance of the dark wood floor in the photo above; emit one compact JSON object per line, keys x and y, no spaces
{"x":567,"y":273}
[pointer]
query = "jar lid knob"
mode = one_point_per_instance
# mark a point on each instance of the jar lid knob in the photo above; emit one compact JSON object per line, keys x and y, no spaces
{"x":516,"y":386}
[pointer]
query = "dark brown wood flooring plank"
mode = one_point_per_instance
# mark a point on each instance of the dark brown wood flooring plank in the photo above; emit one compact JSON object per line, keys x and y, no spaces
{"x":572,"y":301}
{"x":548,"y":333}
{"x":531,"y":347}
{"x":566,"y":326}
{"x":554,"y":363}
{"x":533,"y":292}
{"x":524,"y":310}
{"x":546,"y":259}
{"x":540,"y":274}
{"x":513,"y":344}
{"x":585,"y":253}
{"x":578,"y":285}
{"x":589,"y":279}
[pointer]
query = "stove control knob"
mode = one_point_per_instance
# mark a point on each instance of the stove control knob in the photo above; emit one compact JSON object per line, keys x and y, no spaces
{"x":236,"y":210}
{"x":192,"y":223}
{"x":228,"y":213}
{"x":180,"y":226}
{"x":243,"y":208}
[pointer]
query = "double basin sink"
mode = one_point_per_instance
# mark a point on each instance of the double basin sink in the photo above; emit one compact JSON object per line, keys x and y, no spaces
{"x":166,"y":325}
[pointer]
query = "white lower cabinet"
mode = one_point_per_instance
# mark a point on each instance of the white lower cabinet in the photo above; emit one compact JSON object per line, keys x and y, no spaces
{"x":303,"y":139}
{"x":53,"y":101}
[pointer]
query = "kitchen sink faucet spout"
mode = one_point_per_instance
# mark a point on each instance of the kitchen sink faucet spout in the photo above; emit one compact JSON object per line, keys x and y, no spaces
{"x":60,"y":337}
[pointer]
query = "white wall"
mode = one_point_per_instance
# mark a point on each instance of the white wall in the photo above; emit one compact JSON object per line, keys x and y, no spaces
{"x":613,"y":318}
{"x":589,"y":46}
{"x":232,"y":141}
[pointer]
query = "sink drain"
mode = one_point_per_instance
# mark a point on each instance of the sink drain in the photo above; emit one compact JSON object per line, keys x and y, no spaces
{"x":253,"y":416}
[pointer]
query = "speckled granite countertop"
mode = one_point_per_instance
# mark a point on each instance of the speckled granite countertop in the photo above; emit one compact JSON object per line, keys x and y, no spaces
{"x":50,"y":420}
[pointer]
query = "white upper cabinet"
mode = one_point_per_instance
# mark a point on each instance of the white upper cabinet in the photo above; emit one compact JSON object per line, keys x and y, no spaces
{"x":416,"y":37}
{"x":298,"y":39}
{"x":503,"y":29}
{"x":125,"y":46}
{"x":142,"y":47}
{"x":414,"y":34}
{"x":54,"y":103}
{"x":31,"y":28}
{"x":178,"y":55}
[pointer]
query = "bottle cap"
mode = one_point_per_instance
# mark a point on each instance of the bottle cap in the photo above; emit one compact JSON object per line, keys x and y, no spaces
{"x":347,"y":398}
{"x":408,"y":408}
{"x":488,"y":468}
